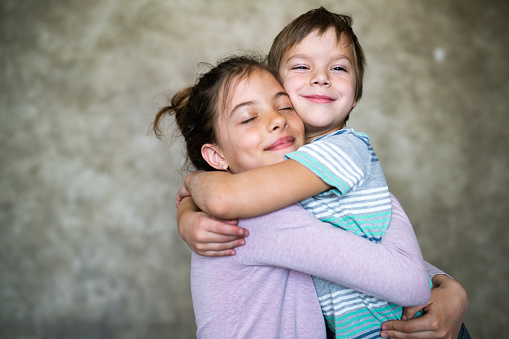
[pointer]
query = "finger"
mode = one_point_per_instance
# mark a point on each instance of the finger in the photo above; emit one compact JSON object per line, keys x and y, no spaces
{"x":224,"y":253}
{"x":233,"y":222}
{"x":220,"y":246}
{"x":227,"y":229}
{"x":414,"y":326}
{"x":177,"y":201}
{"x":411,"y":335}
{"x":410,"y":312}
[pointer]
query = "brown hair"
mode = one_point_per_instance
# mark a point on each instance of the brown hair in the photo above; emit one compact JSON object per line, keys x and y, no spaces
{"x":196,"y":108}
{"x":320,"y":20}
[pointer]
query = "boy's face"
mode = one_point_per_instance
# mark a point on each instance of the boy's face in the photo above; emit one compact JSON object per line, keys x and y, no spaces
{"x":258,"y":126}
{"x":319,"y":76}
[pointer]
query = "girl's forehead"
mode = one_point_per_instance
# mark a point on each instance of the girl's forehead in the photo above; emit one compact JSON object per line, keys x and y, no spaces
{"x":247,"y":86}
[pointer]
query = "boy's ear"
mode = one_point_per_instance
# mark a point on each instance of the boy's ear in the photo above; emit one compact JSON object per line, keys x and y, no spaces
{"x":214,"y":157}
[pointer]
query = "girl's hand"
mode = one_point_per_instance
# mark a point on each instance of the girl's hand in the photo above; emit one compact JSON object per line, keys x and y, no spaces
{"x":443,"y":318}
{"x":208,"y":236}
{"x":184,"y":190}
{"x":181,"y":194}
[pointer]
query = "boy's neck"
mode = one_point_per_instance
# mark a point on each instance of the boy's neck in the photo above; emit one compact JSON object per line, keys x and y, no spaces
{"x":312,"y":136}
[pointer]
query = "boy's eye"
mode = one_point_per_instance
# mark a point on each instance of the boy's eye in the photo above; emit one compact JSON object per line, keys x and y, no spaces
{"x":339,"y":68}
{"x":300,"y":67}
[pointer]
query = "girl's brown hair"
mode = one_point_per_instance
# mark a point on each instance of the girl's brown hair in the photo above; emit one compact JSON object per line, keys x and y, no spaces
{"x":196,"y":108}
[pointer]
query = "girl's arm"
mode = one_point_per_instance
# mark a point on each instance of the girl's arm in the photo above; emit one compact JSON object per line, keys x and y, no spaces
{"x":443,"y":316}
{"x":444,"y":312}
{"x":254,"y":192}
{"x":391,"y":270}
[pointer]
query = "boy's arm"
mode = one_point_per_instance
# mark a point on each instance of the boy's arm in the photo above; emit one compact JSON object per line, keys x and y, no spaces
{"x":254,"y":192}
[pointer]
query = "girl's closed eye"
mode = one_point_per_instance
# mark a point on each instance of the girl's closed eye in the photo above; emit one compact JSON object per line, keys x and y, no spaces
{"x":286,"y":108}
{"x":248,"y":120}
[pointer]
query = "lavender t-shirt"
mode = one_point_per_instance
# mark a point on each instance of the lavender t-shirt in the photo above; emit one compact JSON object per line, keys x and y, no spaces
{"x":265,"y":290}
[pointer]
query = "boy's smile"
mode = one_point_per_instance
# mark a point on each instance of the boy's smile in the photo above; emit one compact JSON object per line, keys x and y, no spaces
{"x":319,"y":76}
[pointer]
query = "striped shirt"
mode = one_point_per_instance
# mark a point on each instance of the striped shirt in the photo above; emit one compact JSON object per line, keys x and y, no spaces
{"x":358,"y":202}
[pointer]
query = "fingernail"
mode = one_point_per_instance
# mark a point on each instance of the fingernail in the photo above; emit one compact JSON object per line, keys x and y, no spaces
{"x":385,"y":327}
{"x":242,"y":242}
{"x":404,"y":318}
{"x":384,"y":335}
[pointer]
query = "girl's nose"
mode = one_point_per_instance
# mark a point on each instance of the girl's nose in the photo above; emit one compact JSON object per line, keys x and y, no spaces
{"x":277,"y":121}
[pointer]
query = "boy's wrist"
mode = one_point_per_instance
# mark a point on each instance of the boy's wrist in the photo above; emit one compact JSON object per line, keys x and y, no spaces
{"x":189,"y":181}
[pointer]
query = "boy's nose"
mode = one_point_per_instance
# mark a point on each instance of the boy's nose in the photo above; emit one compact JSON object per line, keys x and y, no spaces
{"x":320,"y":79}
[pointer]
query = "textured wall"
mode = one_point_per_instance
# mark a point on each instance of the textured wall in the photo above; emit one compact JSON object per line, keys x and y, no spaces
{"x":88,"y":244}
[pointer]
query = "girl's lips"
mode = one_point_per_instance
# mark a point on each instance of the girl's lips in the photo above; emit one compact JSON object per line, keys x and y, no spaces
{"x":281,"y":143}
{"x":319,"y":98}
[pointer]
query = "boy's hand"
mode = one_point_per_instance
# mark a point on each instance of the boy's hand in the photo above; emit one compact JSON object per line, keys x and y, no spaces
{"x":208,"y":236}
{"x":443,"y":318}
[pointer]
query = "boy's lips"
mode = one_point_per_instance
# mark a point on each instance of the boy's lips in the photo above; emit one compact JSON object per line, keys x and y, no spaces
{"x":281,"y":143}
{"x":319,"y":98}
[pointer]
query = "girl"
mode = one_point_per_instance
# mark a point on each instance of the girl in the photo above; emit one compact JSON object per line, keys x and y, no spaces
{"x":266,"y":289}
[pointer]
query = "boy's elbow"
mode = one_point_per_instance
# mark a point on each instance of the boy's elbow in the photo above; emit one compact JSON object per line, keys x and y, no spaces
{"x":218,"y":207}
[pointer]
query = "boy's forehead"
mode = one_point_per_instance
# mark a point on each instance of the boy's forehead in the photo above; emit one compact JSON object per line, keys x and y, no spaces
{"x":341,"y":41}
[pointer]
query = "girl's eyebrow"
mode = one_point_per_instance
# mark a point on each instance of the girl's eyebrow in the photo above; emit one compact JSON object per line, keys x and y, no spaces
{"x":242,"y":104}
{"x":251,"y":102}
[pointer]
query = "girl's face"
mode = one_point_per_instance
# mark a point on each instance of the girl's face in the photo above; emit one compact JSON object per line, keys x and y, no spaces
{"x":258,"y":124}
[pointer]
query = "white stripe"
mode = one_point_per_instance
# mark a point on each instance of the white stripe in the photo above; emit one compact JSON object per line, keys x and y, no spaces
{"x":342,"y":167}
{"x":348,"y":198}
{"x":370,"y":191}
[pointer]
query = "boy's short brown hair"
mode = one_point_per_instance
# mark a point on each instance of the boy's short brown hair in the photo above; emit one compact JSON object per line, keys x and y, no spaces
{"x":320,"y":20}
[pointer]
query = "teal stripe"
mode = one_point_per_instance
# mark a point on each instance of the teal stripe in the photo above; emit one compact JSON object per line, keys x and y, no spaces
{"x":322,"y":172}
{"x":374,"y":215}
{"x":364,"y":320}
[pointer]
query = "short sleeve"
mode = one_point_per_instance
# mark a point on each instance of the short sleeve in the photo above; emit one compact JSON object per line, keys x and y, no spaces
{"x":341,"y":160}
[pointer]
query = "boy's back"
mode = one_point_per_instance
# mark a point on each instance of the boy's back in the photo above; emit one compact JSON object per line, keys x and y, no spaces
{"x":359,"y":202}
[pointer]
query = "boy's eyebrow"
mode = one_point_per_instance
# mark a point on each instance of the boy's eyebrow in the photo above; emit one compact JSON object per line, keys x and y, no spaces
{"x":305,"y":56}
{"x":251,"y":102}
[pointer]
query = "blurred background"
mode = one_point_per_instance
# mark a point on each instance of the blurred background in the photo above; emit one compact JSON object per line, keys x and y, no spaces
{"x":88,"y":240}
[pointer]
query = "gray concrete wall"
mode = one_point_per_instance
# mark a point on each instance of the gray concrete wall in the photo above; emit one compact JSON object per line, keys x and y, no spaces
{"x":88,"y":240}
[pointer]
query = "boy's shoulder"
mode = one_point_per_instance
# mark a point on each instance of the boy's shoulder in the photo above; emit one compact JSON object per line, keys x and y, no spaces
{"x":344,"y":133}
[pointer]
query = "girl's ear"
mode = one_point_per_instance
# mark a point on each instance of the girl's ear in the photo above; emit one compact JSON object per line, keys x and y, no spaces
{"x":214,"y":157}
